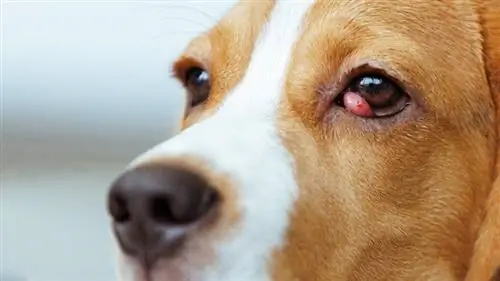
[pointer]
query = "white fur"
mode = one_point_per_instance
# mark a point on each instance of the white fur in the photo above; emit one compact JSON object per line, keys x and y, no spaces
{"x":242,"y":140}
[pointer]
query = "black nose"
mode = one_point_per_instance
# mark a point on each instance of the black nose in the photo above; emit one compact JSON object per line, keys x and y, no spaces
{"x":155,"y":207}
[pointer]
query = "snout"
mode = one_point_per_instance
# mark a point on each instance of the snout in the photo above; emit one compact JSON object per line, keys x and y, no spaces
{"x":155,"y":208}
{"x":210,"y":204}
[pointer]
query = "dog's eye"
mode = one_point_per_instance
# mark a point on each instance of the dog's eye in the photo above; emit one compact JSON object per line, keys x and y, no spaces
{"x":198,"y":84}
{"x":373,"y":96}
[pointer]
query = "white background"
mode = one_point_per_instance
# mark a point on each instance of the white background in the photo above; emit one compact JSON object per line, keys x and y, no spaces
{"x":85,"y":88}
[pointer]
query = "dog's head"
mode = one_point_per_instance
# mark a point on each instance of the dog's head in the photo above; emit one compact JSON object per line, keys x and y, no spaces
{"x":324,"y":140}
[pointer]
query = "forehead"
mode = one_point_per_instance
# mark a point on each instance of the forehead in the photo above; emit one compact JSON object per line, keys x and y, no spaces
{"x":302,"y":44}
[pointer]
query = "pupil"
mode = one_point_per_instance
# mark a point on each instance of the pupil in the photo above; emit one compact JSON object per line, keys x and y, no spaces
{"x":200,"y":77}
{"x":371,"y":85}
{"x":197,"y":77}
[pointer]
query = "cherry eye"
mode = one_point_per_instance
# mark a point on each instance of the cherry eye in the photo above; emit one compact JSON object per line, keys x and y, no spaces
{"x":373,"y":96}
{"x":198,"y":84}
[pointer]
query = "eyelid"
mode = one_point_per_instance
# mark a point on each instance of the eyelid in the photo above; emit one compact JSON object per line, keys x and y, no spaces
{"x":183,"y":65}
{"x":367,"y":70}
{"x":397,"y":74}
{"x":339,"y":85}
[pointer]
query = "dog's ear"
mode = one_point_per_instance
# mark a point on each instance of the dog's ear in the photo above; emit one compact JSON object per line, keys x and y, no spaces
{"x":485,"y":263}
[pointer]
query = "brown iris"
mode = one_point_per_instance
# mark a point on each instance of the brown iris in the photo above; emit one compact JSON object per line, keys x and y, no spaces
{"x":197,"y":82}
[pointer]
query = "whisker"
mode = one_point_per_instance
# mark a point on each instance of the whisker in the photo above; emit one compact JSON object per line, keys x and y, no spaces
{"x":211,"y":19}
{"x":185,"y":20}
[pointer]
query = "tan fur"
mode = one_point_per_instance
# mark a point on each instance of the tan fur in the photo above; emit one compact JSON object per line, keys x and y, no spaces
{"x":486,"y":258}
{"x":398,"y":201}
{"x":225,"y":50}
{"x":381,"y":201}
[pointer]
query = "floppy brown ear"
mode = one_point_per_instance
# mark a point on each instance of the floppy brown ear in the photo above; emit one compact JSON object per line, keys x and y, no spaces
{"x":485,"y":264}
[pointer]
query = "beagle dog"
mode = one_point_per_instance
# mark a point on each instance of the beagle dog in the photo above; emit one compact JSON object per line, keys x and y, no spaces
{"x":326,"y":140}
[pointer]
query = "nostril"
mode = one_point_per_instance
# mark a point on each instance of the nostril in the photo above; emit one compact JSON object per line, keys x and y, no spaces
{"x":161,"y":211}
{"x":194,"y":205}
{"x":183,"y":207}
{"x":209,"y":199}
{"x":118,"y":209}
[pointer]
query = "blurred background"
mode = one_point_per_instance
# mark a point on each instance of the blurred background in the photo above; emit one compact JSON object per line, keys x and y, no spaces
{"x":85,"y":88}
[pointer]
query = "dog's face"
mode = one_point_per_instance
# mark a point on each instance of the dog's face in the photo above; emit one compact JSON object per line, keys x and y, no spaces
{"x":323,"y":140}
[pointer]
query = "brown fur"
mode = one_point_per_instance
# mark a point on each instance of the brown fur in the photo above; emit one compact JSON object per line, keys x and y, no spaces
{"x":399,"y":200}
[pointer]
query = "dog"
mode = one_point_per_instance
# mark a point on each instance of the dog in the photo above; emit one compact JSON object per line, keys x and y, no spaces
{"x":325,"y":140}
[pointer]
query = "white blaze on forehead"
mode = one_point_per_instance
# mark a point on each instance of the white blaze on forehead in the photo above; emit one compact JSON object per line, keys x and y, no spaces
{"x":241,"y":140}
